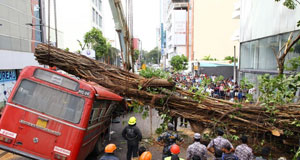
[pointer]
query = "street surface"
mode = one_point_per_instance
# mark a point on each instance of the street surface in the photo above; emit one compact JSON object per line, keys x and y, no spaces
{"x":116,"y":138}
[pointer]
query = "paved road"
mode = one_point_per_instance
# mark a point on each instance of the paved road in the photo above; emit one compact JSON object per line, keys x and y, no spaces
{"x":116,"y":137}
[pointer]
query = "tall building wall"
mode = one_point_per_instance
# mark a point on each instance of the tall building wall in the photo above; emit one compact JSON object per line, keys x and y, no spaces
{"x":17,"y":40}
{"x":74,"y":19}
{"x":213,"y":29}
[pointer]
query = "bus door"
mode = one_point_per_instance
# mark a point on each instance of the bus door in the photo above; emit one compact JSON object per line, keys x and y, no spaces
{"x":47,"y":113}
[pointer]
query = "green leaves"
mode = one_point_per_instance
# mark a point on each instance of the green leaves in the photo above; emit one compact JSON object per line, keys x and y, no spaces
{"x":208,"y":58}
{"x":277,"y":90}
{"x":231,"y":59}
{"x":95,"y":40}
{"x":290,"y":4}
{"x":151,"y":72}
{"x":179,"y":63}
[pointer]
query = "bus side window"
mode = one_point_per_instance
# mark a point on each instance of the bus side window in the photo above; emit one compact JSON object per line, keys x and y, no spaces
{"x":101,"y":114}
{"x":95,"y":112}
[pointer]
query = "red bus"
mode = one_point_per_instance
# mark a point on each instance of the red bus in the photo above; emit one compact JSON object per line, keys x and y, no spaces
{"x":52,"y":116}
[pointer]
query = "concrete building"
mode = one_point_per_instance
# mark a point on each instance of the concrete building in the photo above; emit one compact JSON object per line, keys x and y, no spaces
{"x":265,"y":27}
{"x":213,"y":29}
{"x":175,"y":26}
{"x":17,"y":40}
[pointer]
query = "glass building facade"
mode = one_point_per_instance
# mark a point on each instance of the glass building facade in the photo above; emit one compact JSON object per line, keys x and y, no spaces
{"x":257,"y":56}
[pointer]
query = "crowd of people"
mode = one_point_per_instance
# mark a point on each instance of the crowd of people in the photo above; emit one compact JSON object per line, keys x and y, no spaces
{"x":214,"y":86}
{"x":220,"y":147}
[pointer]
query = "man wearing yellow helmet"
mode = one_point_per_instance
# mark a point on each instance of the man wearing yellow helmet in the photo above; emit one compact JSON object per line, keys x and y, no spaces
{"x":133,"y":136}
{"x":109,"y":153}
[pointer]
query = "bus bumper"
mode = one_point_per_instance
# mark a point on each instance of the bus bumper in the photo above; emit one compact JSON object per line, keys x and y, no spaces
{"x":8,"y":149}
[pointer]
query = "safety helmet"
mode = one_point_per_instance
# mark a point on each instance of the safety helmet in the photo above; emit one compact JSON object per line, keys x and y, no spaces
{"x":132,"y":121}
{"x":175,"y":149}
{"x":146,"y":156}
{"x":110,"y":148}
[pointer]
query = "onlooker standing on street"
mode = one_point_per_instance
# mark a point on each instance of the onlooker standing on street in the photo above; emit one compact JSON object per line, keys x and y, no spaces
{"x":215,"y":146}
{"x":133,"y":136}
{"x":196,"y":149}
{"x":243,"y":152}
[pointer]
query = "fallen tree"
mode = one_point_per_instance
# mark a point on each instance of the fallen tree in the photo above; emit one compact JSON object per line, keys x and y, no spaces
{"x":200,"y":111}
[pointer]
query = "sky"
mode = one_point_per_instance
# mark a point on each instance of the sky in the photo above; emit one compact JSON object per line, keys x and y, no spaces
{"x":145,"y":21}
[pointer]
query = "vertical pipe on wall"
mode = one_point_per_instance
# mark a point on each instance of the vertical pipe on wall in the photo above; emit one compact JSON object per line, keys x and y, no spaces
{"x":192,"y":48}
{"x":55,"y":21}
{"x":188,"y":32}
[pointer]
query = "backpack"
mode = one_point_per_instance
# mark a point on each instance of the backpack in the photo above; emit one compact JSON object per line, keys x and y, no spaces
{"x":130,"y":133}
{"x":229,"y":157}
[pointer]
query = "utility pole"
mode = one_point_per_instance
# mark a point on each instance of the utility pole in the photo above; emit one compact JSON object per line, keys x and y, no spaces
{"x":55,"y":21}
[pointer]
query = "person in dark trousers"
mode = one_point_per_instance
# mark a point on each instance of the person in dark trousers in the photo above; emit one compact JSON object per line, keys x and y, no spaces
{"x":228,"y":154}
{"x":133,"y":136}
{"x":168,"y":138}
{"x":109,"y":153}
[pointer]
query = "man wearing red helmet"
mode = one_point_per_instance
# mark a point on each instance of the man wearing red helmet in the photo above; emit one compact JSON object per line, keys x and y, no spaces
{"x":175,"y":150}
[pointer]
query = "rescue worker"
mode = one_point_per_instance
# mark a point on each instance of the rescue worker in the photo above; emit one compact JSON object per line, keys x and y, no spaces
{"x":215,"y":146}
{"x":169,"y":138}
{"x":196,"y":150}
{"x":242,"y":151}
{"x":109,"y":153}
{"x":146,"y":156}
{"x":175,"y":150}
{"x":133,"y":136}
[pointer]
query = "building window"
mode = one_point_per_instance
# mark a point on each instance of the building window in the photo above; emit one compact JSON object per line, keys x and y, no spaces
{"x":100,"y":4}
{"x":100,"y":21}
{"x":259,"y":54}
{"x":94,"y":15}
{"x":97,"y":18}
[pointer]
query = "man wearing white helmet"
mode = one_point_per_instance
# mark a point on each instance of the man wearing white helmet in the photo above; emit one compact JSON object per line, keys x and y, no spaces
{"x":196,"y":150}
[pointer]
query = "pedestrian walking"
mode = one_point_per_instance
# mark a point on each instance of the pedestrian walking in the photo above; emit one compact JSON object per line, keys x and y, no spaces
{"x":196,"y":150}
{"x":215,"y":146}
{"x":242,"y":151}
{"x":169,"y":138}
{"x":133,"y":136}
{"x":175,"y":150}
{"x":109,"y":153}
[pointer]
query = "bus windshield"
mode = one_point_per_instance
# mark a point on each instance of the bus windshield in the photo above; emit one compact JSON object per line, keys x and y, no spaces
{"x":50,"y":101}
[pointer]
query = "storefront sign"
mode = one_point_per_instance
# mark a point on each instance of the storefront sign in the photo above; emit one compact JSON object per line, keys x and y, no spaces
{"x":8,"y":75}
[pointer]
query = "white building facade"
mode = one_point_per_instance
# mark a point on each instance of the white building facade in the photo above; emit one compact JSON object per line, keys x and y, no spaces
{"x":74,"y":19}
{"x":264,"y":27}
{"x":175,"y":28}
